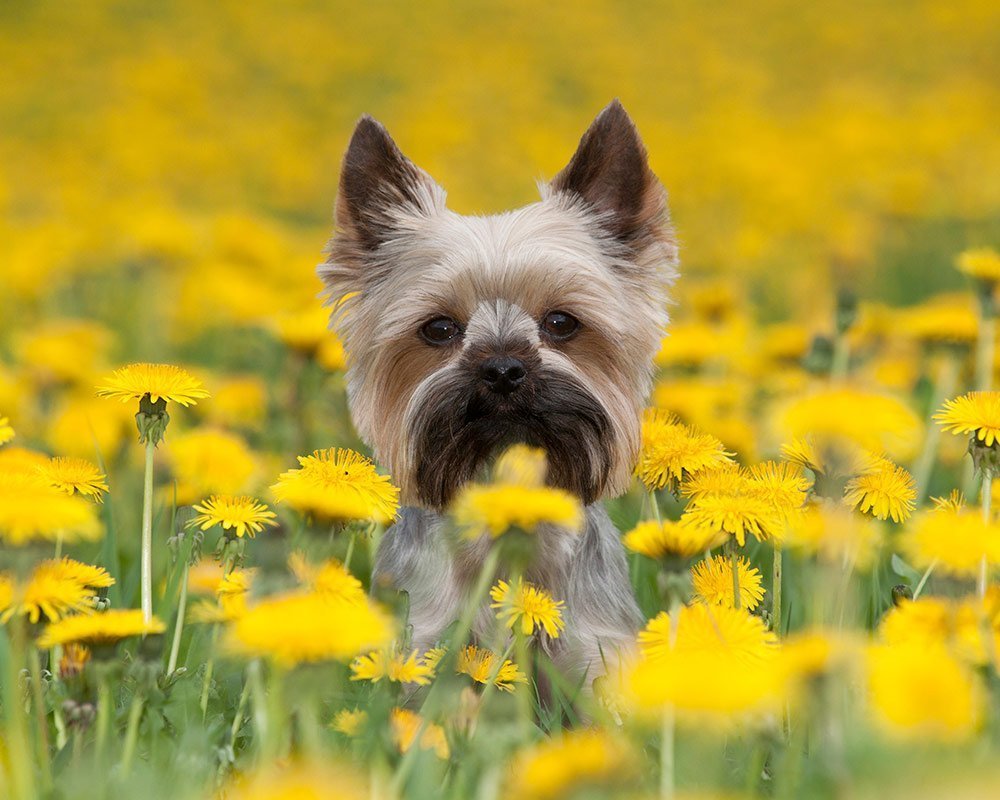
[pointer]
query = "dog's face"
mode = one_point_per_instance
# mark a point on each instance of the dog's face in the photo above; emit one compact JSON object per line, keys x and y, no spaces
{"x":467,"y":334}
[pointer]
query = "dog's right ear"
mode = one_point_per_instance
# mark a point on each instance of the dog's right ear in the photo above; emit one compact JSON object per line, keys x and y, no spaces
{"x":378,"y":187}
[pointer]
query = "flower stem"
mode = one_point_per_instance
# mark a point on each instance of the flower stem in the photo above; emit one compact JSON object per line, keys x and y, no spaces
{"x":667,"y":732}
{"x":261,"y":721}
{"x":923,"y":580}
{"x":776,"y":590}
{"x":653,"y":505}
{"x":987,"y":502}
{"x":734,"y":561}
{"x":147,"y":534}
{"x":38,"y":700}
{"x":350,"y":550}
{"x":175,"y":645}
{"x":944,"y":387}
{"x":21,"y":773}
{"x":209,"y":668}
{"x":132,"y":732}
{"x":241,"y":706}
{"x":104,"y":712}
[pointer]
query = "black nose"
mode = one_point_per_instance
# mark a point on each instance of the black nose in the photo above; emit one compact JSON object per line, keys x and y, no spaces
{"x":502,"y":374}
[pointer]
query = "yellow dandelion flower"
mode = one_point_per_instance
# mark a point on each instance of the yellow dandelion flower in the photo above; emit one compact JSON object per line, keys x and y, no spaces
{"x":338,"y":484}
{"x":920,"y":691}
{"x":394,"y":666}
{"x":734,"y":631}
{"x":31,"y":508}
{"x":159,"y":381}
{"x":7,"y":591}
{"x":298,"y":780}
{"x":208,"y":461}
{"x":238,"y":581}
{"x":479,"y":664}
{"x":64,"y":349}
{"x":522,"y":465}
{"x":103,"y":628}
{"x":669,"y":539}
{"x":243,"y":515}
{"x":330,"y":579}
{"x":406,"y":726}
{"x":305,"y":330}
{"x":84,"y":574}
{"x":76,"y":475}
{"x":937,"y":621}
{"x":836,"y":535}
{"x":949,"y":319}
{"x":712,"y":579}
{"x":570,"y":763}
{"x":349,"y":722}
{"x":780,"y":483}
{"x":300,"y":627}
{"x":704,"y":687}
{"x":885,"y":491}
{"x":841,"y":415}
{"x":725,"y":479}
{"x":976,"y":414}
{"x":737,"y":514}
{"x":955,"y":501}
{"x":204,"y":577}
{"x":239,"y":401}
{"x":982,"y":263}
{"x":74,"y":659}
{"x":957,"y":541}
{"x":671,"y":450}
{"x":527,"y":605}
{"x":496,"y":509}
{"x":49,"y":595}
{"x":6,"y":431}
{"x":81,"y":424}
{"x":801,"y":451}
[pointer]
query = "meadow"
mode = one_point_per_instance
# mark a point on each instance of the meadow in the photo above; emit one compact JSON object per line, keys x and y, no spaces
{"x":188,"y":520}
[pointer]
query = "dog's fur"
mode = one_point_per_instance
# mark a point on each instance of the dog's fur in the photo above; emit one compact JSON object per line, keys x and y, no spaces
{"x":598,"y":246}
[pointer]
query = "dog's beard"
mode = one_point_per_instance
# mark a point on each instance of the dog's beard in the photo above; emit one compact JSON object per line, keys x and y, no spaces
{"x":462,"y":427}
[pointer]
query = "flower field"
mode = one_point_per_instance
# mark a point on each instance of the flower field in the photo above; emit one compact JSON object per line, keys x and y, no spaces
{"x":188,"y":521}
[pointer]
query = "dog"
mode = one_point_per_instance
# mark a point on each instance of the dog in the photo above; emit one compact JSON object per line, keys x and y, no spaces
{"x":466,"y":334}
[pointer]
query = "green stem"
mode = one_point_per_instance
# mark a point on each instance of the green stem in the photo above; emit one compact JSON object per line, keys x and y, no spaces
{"x":668,"y":780}
{"x":350,"y":549}
{"x":987,"y":501}
{"x":776,"y":590}
{"x":841,"y":357}
{"x":147,"y":534}
{"x":944,"y":387}
{"x":261,"y":720}
{"x":238,"y":718}
{"x":923,"y":579}
{"x":654,"y":507}
{"x":19,"y":762}
{"x":41,"y":721}
{"x":104,"y":712}
{"x":175,"y":645}
{"x":132,"y":732}
{"x":209,"y":668}
{"x":734,"y":561}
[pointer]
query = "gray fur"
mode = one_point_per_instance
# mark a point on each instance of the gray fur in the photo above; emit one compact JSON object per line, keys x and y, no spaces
{"x":587,"y":570}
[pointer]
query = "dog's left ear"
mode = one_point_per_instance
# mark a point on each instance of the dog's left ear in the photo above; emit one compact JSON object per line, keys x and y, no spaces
{"x":610,"y":172}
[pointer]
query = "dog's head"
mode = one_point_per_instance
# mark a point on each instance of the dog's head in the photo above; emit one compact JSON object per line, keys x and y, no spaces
{"x":465,"y":334}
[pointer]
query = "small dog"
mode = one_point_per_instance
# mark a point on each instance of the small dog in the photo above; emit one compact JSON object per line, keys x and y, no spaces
{"x":466,"y":334}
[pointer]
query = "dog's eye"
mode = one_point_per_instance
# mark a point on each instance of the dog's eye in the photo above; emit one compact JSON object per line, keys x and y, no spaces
{"x":559,"y":324}
{"x":441,"y":330}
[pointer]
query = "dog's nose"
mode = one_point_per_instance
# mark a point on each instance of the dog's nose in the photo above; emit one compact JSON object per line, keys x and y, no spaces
{"x":502,"y":374}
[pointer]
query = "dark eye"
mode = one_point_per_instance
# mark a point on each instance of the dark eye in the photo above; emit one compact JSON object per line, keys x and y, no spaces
{"x":559,"y":324}
{"x":441,"y":330}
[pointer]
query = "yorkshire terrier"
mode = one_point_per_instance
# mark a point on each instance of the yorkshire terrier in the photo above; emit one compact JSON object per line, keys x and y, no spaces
{"x":466,"y":334}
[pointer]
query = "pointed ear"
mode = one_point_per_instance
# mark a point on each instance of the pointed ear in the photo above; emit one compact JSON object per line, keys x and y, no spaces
{"x":610,"y":172}
{"x":378,"y":184}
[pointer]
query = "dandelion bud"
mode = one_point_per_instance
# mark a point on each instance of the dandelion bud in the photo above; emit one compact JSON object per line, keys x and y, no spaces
{"x":152,"y":419}
{"x":900,"y":593}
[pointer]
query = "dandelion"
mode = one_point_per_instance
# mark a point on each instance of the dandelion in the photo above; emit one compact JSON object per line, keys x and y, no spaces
{"x":884,"y":491}
{"x":571,"y":763}
{"x":31,"y":509}
{"x":920,"y":691}
{"x":245,"y":516}
{"x":298,"y":628}
{"x":958,"y":542}
{"x":670,"y":539}
{"x":829,"y":530}
{"x":155,"y":382}
{"x":736,"y":514}
{"x":976,"y":414}
{"x":734,"y":631}
{"x":393,"y":666}
{"x":47,"y":594}
{"x":782,"y":484}
{"x":671,"y":450}
{"x":76,"y":475}
{"x":521,"y":465}
{"x":298,"y":780}
{"x":208,"y":461}
{"x":481,"y":664}
{"x":6,"y":431}
{"x":496,"y":509}
{"x":527,"y":605}
{"x":349,"y":721}
{"x":338,"y":484}
{"x":713,"y":582}
{"x":104,"y":628}
{"x":153,"y":385}
{"x":329,"y":579}
{"x":980,"y":263}
{"x":406,"y":725}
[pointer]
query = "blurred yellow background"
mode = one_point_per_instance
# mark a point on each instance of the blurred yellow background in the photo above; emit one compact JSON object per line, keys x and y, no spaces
{"x":799,"y":141}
